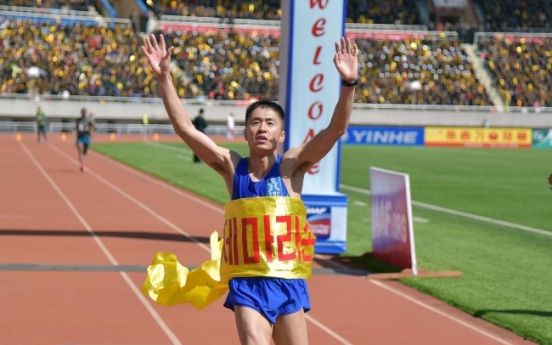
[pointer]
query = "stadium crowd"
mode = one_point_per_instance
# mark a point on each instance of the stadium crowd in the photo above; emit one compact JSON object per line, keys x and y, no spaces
{"x":228,"y":65}
{"x":82,"y":60}
{"x":388,"y":67}
{"x":224,"y":9}
{"x":76,"y":5}
{"x":100,"y":61}
{"x":521,"y":67}
{"x":358,"y":11}
{"x":507,"y":15}
{"x":499,"y":15}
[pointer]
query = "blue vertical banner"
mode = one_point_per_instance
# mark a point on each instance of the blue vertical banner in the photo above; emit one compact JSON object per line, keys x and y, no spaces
{"x":309,"y":90}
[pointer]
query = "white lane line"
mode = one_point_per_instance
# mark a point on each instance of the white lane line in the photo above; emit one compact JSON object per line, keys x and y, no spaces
{"x":183,"y":157}
{"x":104,"y":249}
{"x":139,"y":203}
{"x":457,"y":320}
{"x":462,"y":214}
{"x":327,"y":330}
{"x":170,"y":148}
{"x":187,"y":195}
{"x":70,"y":205}
{"x":219,"y":209}
{"x":420,"y":220}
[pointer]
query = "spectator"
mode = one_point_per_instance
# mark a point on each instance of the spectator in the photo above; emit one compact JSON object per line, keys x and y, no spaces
{"x":230,"y":127}
{"x":200,"y":124}
{"x":41,"y":122}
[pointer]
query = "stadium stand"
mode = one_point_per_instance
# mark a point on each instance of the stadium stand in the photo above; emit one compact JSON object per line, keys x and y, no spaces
{"x":224,"y":9}
{"x":391,"y":62}
{"x":79,"y":59}
{"x":520,"y":65}
{"x":383,"y":12}
{"x":358,"y":11}
{"x":228,"y":50}
{"x":52,"y":5}
{"x":516,"y":15}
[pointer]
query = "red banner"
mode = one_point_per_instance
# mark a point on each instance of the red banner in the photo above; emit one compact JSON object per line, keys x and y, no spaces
{"x":392,"y":229}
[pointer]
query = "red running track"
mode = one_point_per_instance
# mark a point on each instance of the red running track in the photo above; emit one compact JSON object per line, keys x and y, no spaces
{"x":74,"y":247}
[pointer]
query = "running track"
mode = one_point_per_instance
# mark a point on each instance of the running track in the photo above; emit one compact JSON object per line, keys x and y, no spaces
{"x":74,"y":247}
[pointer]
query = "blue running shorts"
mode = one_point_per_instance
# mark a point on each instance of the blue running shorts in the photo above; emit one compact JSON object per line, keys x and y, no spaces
{"x":84,"y":140}
{"x":271,"y":297}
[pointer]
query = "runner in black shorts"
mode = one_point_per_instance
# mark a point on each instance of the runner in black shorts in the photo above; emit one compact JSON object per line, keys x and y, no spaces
{"x":84,"y":127}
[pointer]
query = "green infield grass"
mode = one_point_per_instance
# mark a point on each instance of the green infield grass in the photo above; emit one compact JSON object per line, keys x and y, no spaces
{"x":485,"y":212}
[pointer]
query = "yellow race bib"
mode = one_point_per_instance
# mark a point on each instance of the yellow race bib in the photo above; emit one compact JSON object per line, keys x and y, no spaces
{"x":263,"y":236}
{"x":266,"y":236}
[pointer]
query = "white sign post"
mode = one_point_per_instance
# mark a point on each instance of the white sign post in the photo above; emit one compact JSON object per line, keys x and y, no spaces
{"x":309,"y":90}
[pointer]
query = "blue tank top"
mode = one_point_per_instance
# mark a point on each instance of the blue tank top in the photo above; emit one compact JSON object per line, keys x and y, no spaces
{"x":271,"y":185}
{"x":269,"y":296}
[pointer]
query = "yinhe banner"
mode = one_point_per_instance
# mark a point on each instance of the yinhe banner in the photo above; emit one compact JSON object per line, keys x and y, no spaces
{"x":392,"y":227}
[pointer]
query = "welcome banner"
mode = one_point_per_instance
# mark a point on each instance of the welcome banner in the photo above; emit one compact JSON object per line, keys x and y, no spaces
{"x":309,"y":88}
{"x":309,"y":82}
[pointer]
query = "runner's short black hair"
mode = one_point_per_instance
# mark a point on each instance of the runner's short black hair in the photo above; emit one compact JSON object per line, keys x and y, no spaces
{"x":264,"y":104}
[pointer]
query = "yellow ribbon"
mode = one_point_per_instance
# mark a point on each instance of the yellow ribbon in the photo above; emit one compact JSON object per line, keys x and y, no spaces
{"x":264,"y":236}
{"x":169,"y":283}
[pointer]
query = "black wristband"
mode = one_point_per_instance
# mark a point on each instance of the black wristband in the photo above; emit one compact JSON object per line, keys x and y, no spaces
{"x":349,"y":83}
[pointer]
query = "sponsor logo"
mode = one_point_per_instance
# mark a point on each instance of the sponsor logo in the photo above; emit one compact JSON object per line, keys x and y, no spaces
{"x":320,"y":221}
{"x":383,"y":136}
{"x":477,"y":137}
{"x":321,"y":225}
{"x":274,"y":187}
{"x":317,"y":210}
{"x":542,"y":138}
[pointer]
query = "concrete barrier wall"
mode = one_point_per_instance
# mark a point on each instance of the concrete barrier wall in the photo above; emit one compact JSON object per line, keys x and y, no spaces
{"x":216,"y":112}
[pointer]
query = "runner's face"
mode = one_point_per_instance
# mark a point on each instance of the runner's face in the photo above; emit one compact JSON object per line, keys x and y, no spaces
{"x":264,"y":129}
